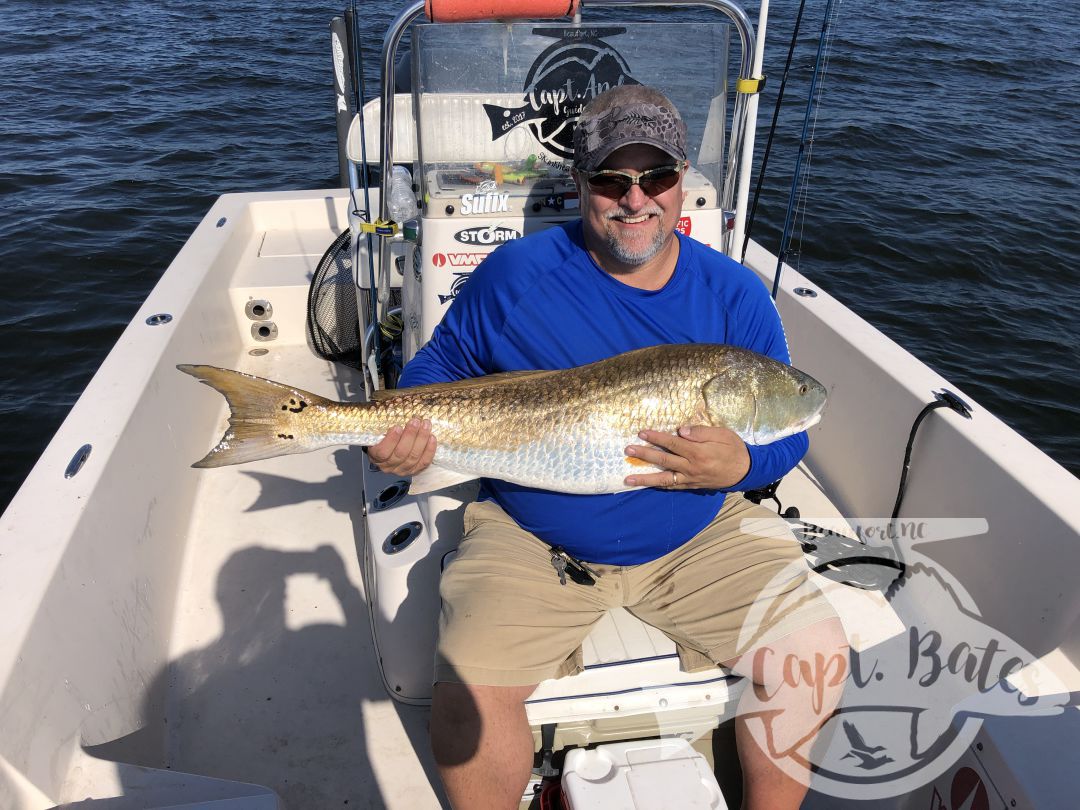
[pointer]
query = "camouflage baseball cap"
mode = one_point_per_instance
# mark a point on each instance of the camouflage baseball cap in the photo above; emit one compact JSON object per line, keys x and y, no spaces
{"x":629,"y":113}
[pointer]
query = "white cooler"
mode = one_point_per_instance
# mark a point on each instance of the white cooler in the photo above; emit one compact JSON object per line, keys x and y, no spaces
{"x":665,"y":774}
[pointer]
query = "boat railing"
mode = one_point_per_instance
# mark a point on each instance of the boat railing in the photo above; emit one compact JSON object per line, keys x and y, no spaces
{"x":736,"y":176}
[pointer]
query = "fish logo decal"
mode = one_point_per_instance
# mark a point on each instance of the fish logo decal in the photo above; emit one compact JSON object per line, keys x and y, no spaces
{"x":561,"y":81}
{"x":455,"y":288}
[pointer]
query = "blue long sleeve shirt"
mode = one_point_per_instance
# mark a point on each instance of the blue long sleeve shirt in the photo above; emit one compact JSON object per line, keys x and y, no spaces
{"x":542,"y":302}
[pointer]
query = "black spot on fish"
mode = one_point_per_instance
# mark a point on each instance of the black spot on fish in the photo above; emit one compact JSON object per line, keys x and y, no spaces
{"x":285,"y":436}
{"x":297,"y":408}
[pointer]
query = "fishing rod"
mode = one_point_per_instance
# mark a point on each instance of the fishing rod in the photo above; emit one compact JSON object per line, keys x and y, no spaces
{"x":772,"y":130}
{"x":785,"y":239}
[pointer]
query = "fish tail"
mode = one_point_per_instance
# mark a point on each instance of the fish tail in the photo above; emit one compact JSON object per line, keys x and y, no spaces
{"x":267,"y":418}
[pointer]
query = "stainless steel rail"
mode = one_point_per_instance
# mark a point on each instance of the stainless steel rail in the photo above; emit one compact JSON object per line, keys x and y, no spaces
{"x":397,"y":30}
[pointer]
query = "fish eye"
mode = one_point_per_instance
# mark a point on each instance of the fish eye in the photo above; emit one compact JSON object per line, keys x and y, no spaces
{"x":804,"y":388}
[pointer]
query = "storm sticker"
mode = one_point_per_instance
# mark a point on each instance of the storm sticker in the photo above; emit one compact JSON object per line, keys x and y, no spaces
{"x":492,"y":235}
{"x":562,"y":80}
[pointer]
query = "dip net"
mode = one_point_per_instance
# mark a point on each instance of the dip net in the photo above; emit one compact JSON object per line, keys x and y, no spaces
{"x":333,"y":321}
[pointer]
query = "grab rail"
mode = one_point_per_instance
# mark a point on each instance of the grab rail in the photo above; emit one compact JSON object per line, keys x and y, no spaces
{"x":741,"y":121}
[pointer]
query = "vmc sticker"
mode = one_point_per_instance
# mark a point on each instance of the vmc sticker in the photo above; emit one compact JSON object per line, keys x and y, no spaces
{"x":457,"y":259}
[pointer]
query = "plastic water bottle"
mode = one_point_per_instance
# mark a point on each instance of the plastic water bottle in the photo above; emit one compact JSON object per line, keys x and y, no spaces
{"x":402,"y":199}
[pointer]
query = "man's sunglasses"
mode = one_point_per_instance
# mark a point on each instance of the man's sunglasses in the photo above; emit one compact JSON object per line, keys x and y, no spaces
{"x":614,"y":184}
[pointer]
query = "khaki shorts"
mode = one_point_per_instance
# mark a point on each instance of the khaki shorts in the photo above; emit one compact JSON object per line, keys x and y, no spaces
{"x":506,"y":619}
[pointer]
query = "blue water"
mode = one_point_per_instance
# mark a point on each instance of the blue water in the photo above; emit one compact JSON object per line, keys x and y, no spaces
{"x":943,"y":202}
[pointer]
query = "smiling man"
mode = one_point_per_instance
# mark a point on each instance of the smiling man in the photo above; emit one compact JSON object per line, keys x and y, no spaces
{"x":671,"y":550}
{"x":631,"y":194}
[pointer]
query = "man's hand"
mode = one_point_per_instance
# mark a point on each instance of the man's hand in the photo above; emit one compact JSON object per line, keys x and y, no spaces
{"x":405,"y":450}
{"x":700,"y":457}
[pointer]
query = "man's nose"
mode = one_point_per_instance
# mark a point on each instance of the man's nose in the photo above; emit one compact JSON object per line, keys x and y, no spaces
{"x":634,"y":198}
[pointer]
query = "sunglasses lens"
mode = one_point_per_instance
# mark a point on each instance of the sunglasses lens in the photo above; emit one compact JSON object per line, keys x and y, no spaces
{"x":610,"y":185}
{"x":658,"y":181}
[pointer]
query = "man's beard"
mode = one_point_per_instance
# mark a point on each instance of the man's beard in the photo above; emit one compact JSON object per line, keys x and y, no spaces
{"x":631,"y":256}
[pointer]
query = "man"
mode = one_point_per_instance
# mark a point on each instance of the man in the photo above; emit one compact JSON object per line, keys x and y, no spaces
{"x":671,"y":551}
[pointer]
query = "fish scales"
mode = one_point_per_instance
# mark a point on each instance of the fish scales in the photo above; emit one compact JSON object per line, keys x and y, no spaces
{"x":509,"y":412}
{"x":564,"y":430}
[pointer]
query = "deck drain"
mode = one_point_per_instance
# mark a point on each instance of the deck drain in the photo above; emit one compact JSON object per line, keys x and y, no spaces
{"x":402,"y":538}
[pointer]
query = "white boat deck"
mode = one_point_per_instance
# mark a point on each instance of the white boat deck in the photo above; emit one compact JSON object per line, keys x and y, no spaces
{"x":175,"y":627}
{"x":273,"y":677}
